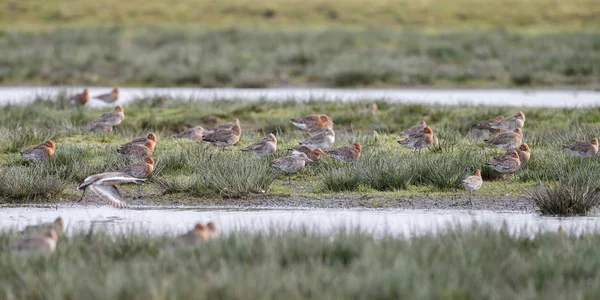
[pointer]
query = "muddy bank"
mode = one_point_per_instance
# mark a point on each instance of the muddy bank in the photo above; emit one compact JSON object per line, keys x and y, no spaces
{"x":446,"y":202}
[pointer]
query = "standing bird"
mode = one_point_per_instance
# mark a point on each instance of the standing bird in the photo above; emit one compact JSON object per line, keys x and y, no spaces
{"x":139,"y":170}
{"x":137,"y":150}
{"x":265,"y":146}
{"x":417,"y":129}
{"x":583,"y":149}
{"x":110,"y":97}
{"x":346,"y":154}
{"x":43,"y":244}
{"x":224,"y":137}
{"x":150,"y":138}
{"x":507,"y":140}
{"x":313,"y":122}
{"x":473,"y":183}
{"x":82,"y":98}
{"x":323,"y":139}
{"x":40,"y":152}
{"x":291,"y":164}
{"x":194,"y":134}
{"x":57,"y":225}
{"x":112,"y":118}
{"x":313,"y":154}
{"x":104,"y":186}
{"x":510,"y":123}
{"x":506,"y":163}
{"x":419,"y":140}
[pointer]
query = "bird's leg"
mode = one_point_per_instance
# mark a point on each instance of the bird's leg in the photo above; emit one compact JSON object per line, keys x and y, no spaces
{"x":140,"y":191}
{"x":80,"y":199}
{"x":471,"y":197}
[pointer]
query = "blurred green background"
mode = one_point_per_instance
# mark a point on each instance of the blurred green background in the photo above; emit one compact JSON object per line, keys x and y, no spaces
{"x":242,"y":43}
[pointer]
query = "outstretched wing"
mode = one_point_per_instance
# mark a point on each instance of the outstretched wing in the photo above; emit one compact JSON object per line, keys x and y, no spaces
{"x":110,"y":194}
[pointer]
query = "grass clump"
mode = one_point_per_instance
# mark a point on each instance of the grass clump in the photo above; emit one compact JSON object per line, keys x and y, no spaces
{"x":566,"y":198}
{"x":375,"y":170}
{"x":227,"y":174}
{"x":30,"y":183}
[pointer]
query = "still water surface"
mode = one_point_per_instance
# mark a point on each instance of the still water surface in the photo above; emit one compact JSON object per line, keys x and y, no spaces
{"x":489,"y":97}
{"x":174,"y":220}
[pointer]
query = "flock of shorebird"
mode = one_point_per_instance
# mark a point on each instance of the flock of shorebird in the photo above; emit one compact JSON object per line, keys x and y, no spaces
{"x":42,"y":238}
{"x":504,"y":133}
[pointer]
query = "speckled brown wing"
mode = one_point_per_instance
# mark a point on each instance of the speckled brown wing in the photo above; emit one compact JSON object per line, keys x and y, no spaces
{"x":506,"y":140}
{"x":505,"y":164}
{"x":345,"y":154}
{"x":113,"y":118}
{"x":135,"y":150}
{"x":222,"y":137}
{"x":194,"y":134}
{"x":582,"y":148}
{"x":289,"y":164}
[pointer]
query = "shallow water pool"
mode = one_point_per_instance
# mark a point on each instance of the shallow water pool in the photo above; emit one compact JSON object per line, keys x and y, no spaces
{"x":488,"y":97}
{"x":174,"y":220}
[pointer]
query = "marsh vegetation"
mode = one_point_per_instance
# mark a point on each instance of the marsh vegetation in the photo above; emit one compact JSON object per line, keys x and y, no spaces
{"x":200,"y":171}
{"x":301,"y":264}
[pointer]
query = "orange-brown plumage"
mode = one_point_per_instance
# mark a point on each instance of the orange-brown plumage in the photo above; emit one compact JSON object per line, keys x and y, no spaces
{"x":81,"y":98}
{"x":346,"y":154}
{"x":40,"y":152}
{"x":140,"y":169}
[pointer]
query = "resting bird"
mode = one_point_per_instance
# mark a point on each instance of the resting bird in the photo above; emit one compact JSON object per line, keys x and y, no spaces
{"x":139,"y":170}
{"x":417,"y":129}
{"x":151,"y":138}
{"x":313,"y":122}
{"x":510,"y":123}
{"x":224,"y":137}
{"x":506,"y":163}
{"x":323,"y":139}
{"x":583,"y":149}
{"x":346,"y":154}
{"x":291,"y":164}
{"x":137,"y":150}
{"x":40,"y":152}
{"x":104,"y":186}
{"x":419,"y":140}
{"x":263,"y":147}
{"x":507,"y":140}
{"x":112,"y":118}
{"x":194,"y":134}
{"x":313,"y":154}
